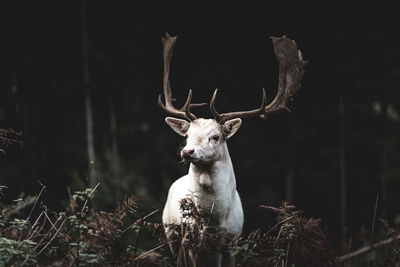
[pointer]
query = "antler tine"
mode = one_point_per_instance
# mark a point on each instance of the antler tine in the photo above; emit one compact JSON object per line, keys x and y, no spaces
{"x":221,"y":118}
{"x":184,"y":112}
{"x":291,"y":71}
{"x":212,"y":107}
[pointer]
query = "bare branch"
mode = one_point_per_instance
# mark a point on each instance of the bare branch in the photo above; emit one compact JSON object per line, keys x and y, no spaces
{"x":87,"y":199}
{"x":368,"y":248}
{"x":144,"y":254}
{"x":52,"y":238}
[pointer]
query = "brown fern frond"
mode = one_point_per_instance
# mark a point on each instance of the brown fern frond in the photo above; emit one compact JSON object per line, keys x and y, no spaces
{"x":10,"y":136}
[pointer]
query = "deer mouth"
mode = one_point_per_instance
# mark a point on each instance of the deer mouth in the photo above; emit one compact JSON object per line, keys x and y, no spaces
{"x":189,"y":159}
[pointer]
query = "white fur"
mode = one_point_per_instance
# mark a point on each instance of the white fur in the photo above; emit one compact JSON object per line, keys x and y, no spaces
{"x":210,"y":181}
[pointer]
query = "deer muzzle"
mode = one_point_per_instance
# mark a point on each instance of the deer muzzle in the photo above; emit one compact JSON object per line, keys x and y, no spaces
{"x":187,"y":154}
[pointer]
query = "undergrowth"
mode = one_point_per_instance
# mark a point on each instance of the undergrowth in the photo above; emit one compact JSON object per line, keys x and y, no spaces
{"x":10,"y":136}
{"x":33,"y":235}
{"x":78,"y":236}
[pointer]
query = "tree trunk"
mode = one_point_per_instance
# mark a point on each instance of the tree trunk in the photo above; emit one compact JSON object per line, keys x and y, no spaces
{"x":29,"y":105}
{"x":115,"y":161}
{"x":385,"y":169}
{"x":342,"y":175}
{"x":29,"y":122}
{"x":88,"y":99}
{"x":289,"y":185}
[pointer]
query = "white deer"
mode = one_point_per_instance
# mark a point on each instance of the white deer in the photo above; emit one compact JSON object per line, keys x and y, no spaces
{"x":211,"y":181}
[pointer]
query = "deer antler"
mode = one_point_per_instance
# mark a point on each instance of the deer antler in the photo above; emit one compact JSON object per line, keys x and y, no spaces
{"x":291,"y":71}
{"x":184,"y":112}
{"x":221,"y":118}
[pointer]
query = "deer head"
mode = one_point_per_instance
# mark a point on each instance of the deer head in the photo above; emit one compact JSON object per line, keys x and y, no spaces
{"x":206,"y":138}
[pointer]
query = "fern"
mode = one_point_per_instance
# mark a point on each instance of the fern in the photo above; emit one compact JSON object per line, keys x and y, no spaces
{"x":10,"y":136}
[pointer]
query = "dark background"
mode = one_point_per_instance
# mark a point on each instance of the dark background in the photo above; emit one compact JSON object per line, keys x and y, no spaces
{"x":344,"y":124}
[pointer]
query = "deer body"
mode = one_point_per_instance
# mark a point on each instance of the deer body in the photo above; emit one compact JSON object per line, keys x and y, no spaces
{"x":210,"y":182}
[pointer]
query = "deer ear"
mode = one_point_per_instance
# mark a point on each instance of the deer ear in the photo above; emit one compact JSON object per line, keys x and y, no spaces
{"x":179,"y":126}
{"x":229,"y":128}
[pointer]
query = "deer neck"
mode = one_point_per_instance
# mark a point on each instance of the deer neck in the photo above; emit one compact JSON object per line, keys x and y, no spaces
{"x":215,"y":177}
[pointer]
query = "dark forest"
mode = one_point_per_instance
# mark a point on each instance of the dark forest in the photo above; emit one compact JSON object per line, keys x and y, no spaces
{"x":80,"y":81}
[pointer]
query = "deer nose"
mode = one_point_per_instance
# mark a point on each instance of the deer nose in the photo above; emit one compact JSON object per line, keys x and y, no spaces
{"x":187,"y":153}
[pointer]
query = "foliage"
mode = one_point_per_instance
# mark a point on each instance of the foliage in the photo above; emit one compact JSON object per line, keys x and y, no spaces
{"x":354,"y":58}
{"x":83,"y":236}
{"x":194,"y":235}
{"x":383,"y":249}
{"x":80,"y":235}
{"x":295,"y":239}
{"x":9,"y":136}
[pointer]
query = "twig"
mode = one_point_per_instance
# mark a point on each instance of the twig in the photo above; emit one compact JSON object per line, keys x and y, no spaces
{"x":207,"y":224}
{"x":287,"y":254}
{"x":31,"y":231}
{"x":48,"y":243}
{"x":367,"y":248}
{"x":45,"y":236}
{"x":52,"y":238}
{"x":270,"y":208}
{"x":209,"y":217}
{"x":51,"y":222}
{"x":136,"y":243}
{"x":151,"y":213}
{"x":87,"y":199}
{"x":182,"y":252}
{"x":143,"y":218}
{"x":279,"y":223}
{"x":151,"y":250}
{"x":373,"y":221}
{"x":138,"y":232}
{"x":78,"y":244}
{"x":36,"y":201}
{"x":73,"y":258}
{"x":30,"y":235}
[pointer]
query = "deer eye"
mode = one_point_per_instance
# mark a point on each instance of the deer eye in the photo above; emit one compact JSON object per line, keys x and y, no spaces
{"x":215,"y":137}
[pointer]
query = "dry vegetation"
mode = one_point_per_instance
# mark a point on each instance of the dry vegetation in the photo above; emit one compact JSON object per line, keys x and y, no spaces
{"x":10,"y":136}
{"x":33,"y":235}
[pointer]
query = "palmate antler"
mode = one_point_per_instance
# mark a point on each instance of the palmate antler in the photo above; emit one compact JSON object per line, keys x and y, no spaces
{"x":184,"y":112}
{"x":291,"y":71}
